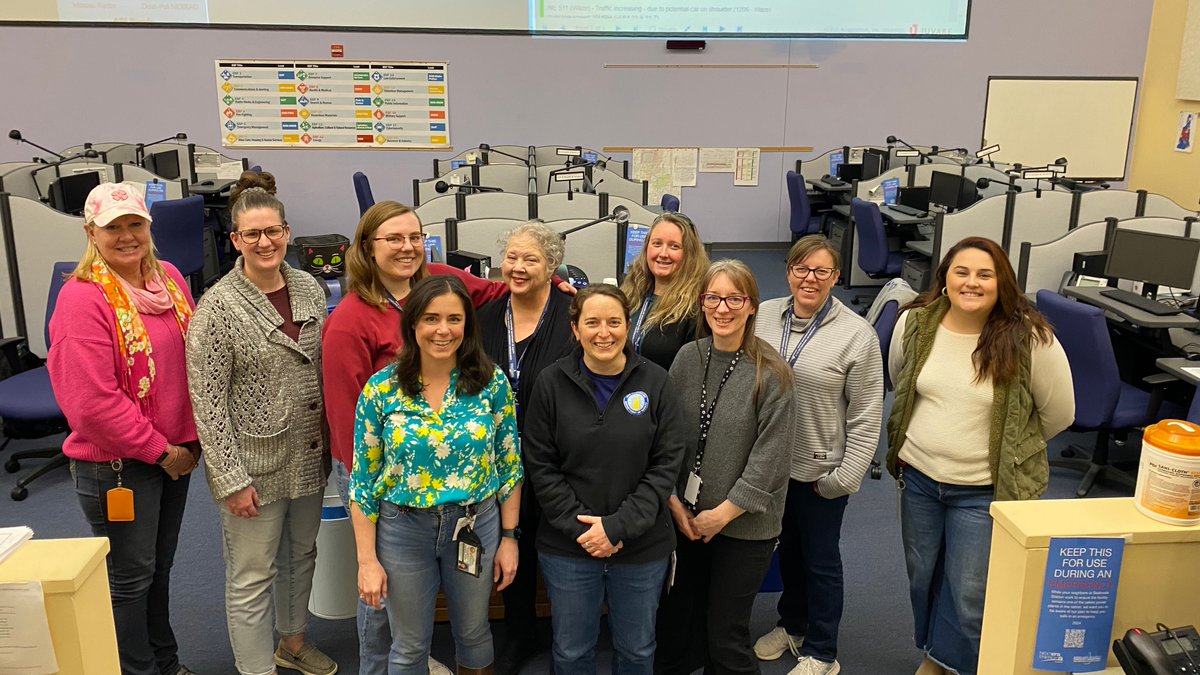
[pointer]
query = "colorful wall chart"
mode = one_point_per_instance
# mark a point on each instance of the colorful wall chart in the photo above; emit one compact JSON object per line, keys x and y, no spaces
{"x":332,"y":104}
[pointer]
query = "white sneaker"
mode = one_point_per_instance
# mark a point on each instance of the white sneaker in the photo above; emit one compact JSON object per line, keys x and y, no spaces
{"x":810,"y":666}
{"x":438,"y":668}
{"x":772,"y":645}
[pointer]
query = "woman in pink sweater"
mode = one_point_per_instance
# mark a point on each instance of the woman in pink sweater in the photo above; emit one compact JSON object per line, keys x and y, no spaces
{"x":117,"y":366}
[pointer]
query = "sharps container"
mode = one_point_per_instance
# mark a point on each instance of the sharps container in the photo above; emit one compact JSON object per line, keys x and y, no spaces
{"x":1168,"y":480}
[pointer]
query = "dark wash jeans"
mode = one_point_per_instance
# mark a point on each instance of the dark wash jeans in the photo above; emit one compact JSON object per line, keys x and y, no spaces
{"x":139,"y":562}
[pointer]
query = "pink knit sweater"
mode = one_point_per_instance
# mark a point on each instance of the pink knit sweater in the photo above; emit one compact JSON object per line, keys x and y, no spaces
{"x":84,"y":362}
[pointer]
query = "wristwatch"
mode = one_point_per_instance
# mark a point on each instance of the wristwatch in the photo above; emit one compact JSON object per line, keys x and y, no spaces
{"x":162,"y":458}
{"x":512,"y":534}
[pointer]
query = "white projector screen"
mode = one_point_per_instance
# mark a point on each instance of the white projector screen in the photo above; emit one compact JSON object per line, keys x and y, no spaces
{"x":896,"y":19}
{"x":1037,"y":120}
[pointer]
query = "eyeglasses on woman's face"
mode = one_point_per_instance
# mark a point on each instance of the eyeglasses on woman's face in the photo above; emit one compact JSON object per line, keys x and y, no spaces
{"x":396,"y":241}
{"x":801,"y":271}
{"x":251,"y":236}
{"x":713,"y":301}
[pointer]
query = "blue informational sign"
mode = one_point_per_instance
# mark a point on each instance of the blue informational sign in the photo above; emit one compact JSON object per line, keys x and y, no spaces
{"x":155,"y":192}
{"x":455,"y":163}
{"x":1078,"y":596}
{"x":835,"y":160}
{"x":433,"y":249}
{"x":590,"y":157}
{"x":891,"y":189}
{"x":635,"y":239}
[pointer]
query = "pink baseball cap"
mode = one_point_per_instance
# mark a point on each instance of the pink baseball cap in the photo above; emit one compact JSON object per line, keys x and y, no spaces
{"x":108,"y":201}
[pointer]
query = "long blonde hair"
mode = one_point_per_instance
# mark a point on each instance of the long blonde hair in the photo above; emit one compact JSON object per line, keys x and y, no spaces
{"x":756,"y":349}
{"x":363,"y":274}
{"x":680,"y":300}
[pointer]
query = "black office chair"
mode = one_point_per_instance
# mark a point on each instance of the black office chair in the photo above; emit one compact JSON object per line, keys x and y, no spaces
{"x":27,"y":404}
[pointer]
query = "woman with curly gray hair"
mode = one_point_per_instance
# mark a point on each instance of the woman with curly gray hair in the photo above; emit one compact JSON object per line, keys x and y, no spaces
{"x":524,"y":331}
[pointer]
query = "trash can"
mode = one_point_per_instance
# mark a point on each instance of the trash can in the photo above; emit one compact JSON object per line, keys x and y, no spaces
{"x":335,"y":579}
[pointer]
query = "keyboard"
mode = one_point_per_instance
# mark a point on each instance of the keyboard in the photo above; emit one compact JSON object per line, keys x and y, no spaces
{"x":833,"y":182}
{"x":1141,"y":302}
{"x":908,"y":210}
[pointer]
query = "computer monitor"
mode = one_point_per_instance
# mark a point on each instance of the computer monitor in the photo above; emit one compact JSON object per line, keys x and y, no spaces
{"x":951,"y":190}
{"x":915,"y":197}
{"x":69,"y":193}
{"x":163,"y":164}
{"x":1152,"y":258}
{"x":872,"y":165}
{"x":850,"y":171}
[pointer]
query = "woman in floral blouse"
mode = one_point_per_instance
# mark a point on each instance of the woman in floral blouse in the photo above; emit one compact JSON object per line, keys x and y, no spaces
{"x":436,"y":483}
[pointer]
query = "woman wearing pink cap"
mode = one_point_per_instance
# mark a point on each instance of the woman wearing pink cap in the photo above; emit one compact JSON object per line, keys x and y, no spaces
{"x":117,"y":367}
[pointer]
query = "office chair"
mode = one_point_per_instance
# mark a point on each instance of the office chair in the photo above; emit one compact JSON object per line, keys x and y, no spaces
{"x":1103,"y":403}
{"x":885,"y":325}
{"x":362,"y":190}
{"x":178,"y":229}
{"x":874,"y":257}
{"x":27,"y":404}
{"x":802,"y":220}
{"x":670,"y":204}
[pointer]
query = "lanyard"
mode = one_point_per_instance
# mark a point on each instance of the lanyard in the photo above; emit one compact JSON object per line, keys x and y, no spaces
{"x":639,"y":333}
{"x":514,"y":364}
{"x":706,"y":408}
{"x":394,"y":302}
{"x":808,"y":334}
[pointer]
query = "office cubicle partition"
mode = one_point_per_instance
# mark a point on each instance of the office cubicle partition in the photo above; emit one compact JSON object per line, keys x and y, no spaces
{"x":496,"y":205}
{"x":439,"y":209}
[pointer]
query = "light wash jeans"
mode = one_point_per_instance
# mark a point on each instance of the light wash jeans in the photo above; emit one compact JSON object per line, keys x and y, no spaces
{"x":374,"y":631}
{"x":270,"y":555}
{"x":947,"y":535}
{"x":416,"y":550}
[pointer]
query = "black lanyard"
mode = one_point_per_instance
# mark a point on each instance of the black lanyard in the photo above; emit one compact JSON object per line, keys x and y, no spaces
{"x":808,"y":334}
{"x":394,"y":302}
{"x":514,"y":363}
{"x":639,"y":333}
{"x":706,"y":408}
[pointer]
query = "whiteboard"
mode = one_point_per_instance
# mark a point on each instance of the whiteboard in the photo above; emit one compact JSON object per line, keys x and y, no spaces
{"x":1037,"y":120}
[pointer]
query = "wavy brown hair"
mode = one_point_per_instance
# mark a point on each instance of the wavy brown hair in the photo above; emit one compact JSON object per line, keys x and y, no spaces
{"x":679,"y":302}
{"x":363,"y":275}
{"x":475,"y":369}
{"x":1007,"y":331}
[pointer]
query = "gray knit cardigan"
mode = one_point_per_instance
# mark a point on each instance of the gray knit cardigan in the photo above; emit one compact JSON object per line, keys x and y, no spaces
{"x":255,"y":392}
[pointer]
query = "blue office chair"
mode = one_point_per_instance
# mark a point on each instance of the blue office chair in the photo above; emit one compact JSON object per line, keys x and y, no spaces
{"x":362,"y":190}
{"x":1103,"y":403}
{"x":256,"y":168}
{"x":670,"y":204}
{"x":27,"y":404}
{"x":178,"y":229}
{"x":874,"y":257}
{"x":802,"y":220}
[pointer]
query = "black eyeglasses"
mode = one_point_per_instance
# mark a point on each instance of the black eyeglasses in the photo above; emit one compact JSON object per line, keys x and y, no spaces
{"x":802,"y":271}
{"x":713,"y":301}
{"x":251,"y":236}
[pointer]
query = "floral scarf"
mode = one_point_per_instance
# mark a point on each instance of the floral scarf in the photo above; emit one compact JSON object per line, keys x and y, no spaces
{"x":132,"y":340}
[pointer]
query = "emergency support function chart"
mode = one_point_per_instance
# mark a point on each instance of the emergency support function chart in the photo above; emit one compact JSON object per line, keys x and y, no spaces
{"x":332,"y":104}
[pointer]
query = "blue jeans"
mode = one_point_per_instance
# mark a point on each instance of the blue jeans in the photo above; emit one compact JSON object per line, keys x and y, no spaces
{"x":416,"y":549}
{"x":374,"y":631}
{"x":810,"y":564}
{"x":947,"y":536}
{"x":140,"y":557}
{"x":577,"y":587}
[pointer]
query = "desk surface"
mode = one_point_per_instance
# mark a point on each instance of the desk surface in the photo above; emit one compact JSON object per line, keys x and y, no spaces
{"x":1033,"y":522}
{"x":894,"y":217}
{"x":60,"y":564}
{"x":826,"y":187}
{"x":922,"y":246}
{"x":1175,"y":366}
{"x":1091,"y":295}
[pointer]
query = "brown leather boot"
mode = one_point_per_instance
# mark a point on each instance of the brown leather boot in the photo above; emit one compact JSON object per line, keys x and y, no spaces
{"x":463,"y":670}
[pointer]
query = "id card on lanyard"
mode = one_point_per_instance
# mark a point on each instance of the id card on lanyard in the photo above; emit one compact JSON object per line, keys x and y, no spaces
{"x":639,"y":333}
{"x":514,"y":362}
{"x":691,"y":491}
{"x":808,"y":334}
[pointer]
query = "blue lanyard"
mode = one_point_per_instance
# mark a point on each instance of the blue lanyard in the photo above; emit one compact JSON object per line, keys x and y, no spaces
{"x":808,"y":334}
{"x":639,"y":333}
{"x":394,"y":302}
{"x":514,"y":364}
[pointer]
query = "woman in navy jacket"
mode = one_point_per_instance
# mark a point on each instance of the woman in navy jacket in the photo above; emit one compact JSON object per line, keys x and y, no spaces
{"x":603,"y":441}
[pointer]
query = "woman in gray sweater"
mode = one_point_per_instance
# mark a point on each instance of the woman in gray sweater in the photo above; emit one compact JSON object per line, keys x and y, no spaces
{"x":736,"y":396}
{"x":254,"y":366}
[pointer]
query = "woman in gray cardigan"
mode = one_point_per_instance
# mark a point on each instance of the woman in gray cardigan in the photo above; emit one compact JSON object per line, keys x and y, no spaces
{"x":254,"y":375}
{"x":736,"y":396}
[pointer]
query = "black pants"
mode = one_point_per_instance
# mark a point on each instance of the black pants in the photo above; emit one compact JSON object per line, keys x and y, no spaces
{"x":704,"y":621}
{"x":520,"y":597}
{"x":139,"y":562}
{"x":810,"y":564}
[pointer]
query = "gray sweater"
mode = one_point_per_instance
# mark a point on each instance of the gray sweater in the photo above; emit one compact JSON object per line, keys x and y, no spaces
{"x":839,"y":395}
{"x":256,"y":394}
{"x":749,"y":443}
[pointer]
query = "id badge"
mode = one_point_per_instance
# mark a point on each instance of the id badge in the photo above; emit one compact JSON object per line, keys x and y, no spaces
{"x":691,"y":493}
{"x":470,"y":548}
{"x":120,"y":505}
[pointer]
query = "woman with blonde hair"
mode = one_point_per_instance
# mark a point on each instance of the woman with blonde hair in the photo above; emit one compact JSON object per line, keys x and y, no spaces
{"x":662,"y":286}
{"x":116,"y":363}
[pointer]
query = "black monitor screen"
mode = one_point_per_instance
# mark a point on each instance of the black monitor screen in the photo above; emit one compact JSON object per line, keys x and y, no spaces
{"x":850,"y":171}
{"x":872,"y":165}
{"x":164,"y":164}
{"x":915,"y":197}
{"x":69,"y":193}
{"x":1162,"y":259}
{"x":945,"y":189}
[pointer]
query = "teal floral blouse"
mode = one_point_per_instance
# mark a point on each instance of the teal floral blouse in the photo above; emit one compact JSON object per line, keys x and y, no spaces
{"x":407,"y":454}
